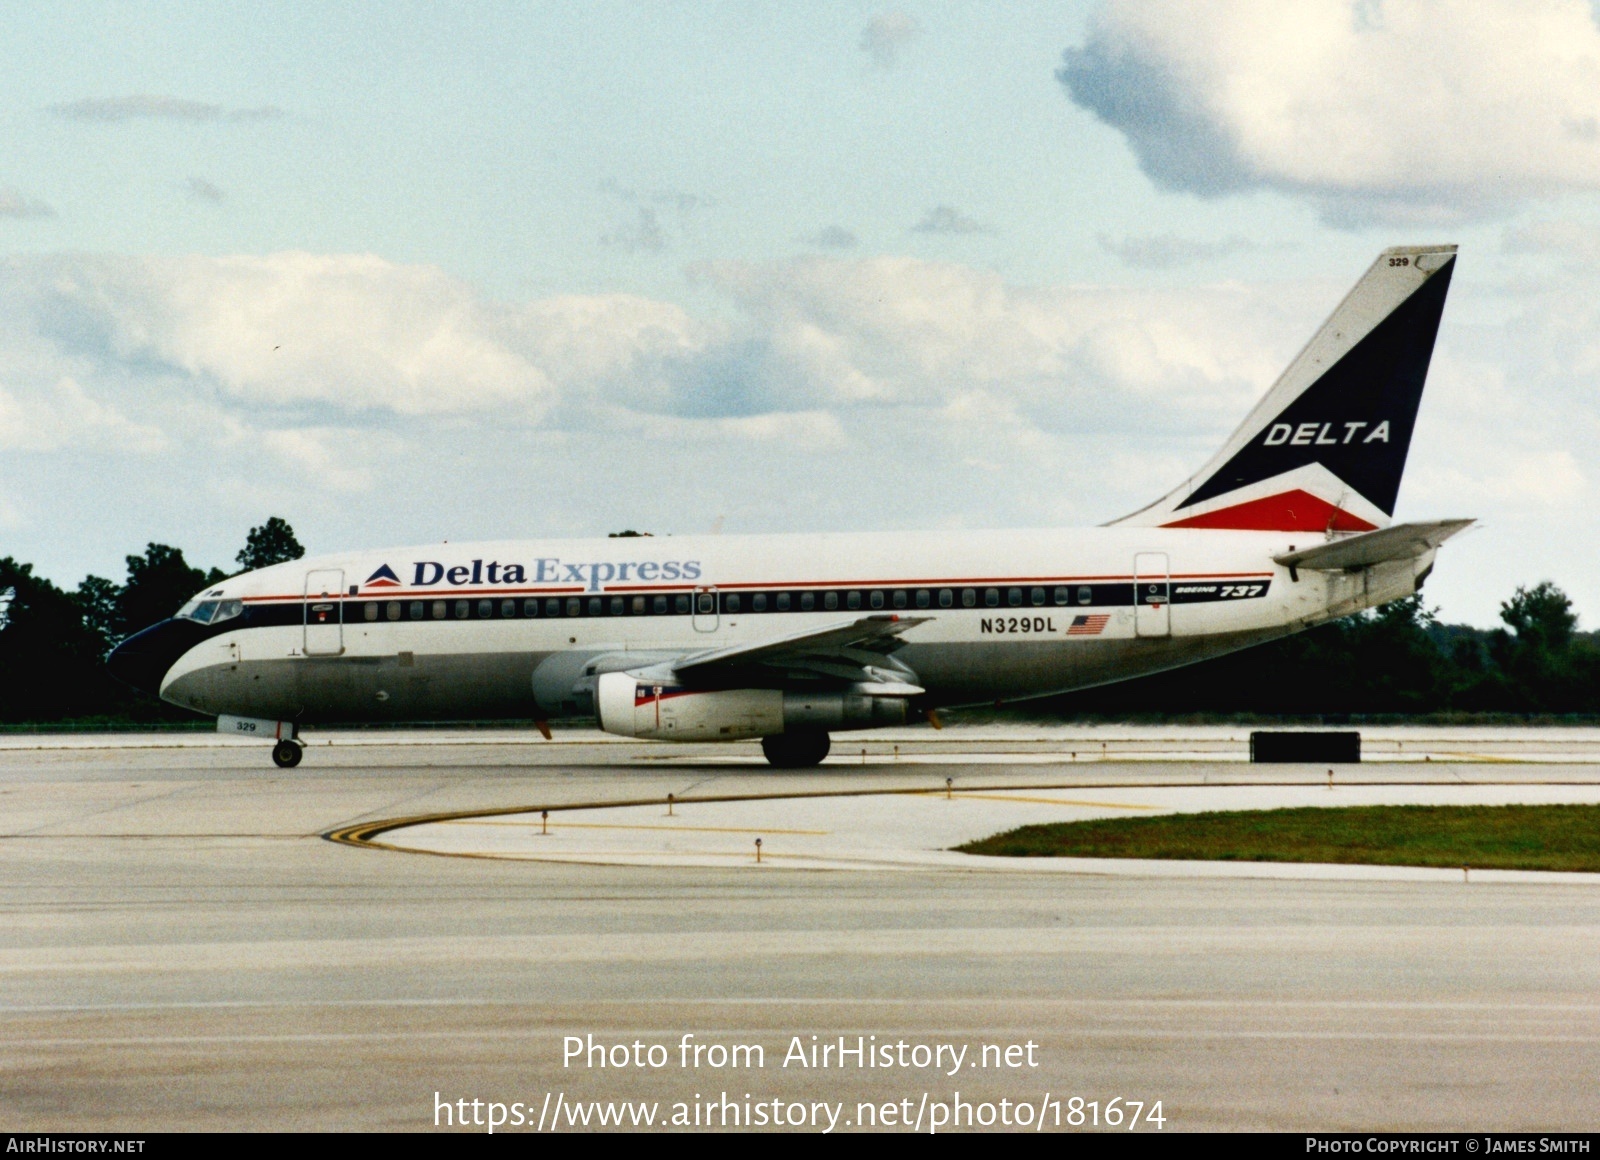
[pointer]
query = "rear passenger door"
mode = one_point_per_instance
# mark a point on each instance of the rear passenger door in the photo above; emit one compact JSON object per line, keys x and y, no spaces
{"x":1152,"y":588}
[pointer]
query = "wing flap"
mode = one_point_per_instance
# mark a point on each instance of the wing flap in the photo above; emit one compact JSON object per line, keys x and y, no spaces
{"x":850,"y":652}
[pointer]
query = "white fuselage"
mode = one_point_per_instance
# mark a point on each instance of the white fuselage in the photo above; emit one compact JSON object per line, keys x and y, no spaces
{"x":459,"y":631}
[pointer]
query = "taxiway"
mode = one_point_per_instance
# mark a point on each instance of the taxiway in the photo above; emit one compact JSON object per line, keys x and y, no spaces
{"x":182,"y":947}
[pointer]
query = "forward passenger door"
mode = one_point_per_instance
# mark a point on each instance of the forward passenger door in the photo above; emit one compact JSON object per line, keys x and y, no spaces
{"x":324,"y":612}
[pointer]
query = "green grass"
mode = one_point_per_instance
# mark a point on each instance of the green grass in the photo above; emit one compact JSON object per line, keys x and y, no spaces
{"x":1486,"y":837}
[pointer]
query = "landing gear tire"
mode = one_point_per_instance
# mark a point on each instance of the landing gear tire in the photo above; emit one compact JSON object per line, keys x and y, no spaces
{"x":796,"y":749}
{"x":287,"y":754}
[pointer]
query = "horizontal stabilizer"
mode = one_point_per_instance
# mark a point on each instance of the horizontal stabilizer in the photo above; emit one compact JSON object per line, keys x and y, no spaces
{"x":1400,"y":542}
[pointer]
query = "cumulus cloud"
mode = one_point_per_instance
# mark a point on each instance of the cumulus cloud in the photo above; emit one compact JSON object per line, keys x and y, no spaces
{"x":14,"y":205}
{"x":886,"y":35}
{"x":298,"y":333}
{"x":199,"y":189}
{"x":406,"y":403}
{"x":50,"y":417}
{"x":642,"y":234}
{"x":1413,"y":110}
{"x":641,"y":229}
{"x":890,"y":331}
{"x":1565,"y":240}
{"x":946,"y":219}
{"x":149,"y":106}
{"x":832,"y":238}
{"x":675,"y":199}
{"x":303,"y":339}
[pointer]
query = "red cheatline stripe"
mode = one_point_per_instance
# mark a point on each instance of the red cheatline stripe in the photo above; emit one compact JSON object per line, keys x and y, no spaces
{"x":992,"y":582}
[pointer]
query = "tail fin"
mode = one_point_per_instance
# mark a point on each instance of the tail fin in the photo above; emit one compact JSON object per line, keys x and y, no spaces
{"x":1323,"y":451}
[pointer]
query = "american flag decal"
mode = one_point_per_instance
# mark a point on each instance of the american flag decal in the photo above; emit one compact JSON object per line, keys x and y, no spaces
{"x":1088,"y":625}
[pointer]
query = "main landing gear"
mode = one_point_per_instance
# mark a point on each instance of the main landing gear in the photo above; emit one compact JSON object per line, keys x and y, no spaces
{"x":286,"y":754}
{"x":796,"y":748}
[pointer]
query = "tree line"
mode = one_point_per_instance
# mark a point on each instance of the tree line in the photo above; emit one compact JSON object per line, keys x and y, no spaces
{"x":1399,"y":659}
{"x":53,"y":642}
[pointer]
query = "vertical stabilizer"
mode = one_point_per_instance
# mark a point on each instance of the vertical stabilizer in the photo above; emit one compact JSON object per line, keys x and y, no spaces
{"x":1324,"y":449}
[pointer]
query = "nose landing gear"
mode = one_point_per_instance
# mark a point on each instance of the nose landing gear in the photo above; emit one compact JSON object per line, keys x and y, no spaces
{"x":286,"y":754}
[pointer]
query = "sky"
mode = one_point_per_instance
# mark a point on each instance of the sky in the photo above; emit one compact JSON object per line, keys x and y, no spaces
{"x":401,"y":273}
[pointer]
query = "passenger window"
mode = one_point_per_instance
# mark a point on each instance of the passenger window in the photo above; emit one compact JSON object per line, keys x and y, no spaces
{"x":530,"y":608}
{"x":552,"y":607}
{"x":924,"y":598}
{"x":416,"y":610}
{"x":595,"y":605}
{"x":617,"y":605}
{"x":991,"y":597}
{"x":638,"y":605}
{"x":1014,"y":597}
{"x":508,"y":608}
{"x":370,"y":611}
{"x":682,"y":604}
{"x":1038,"y":597}
{"x":783,"y":602}
{"x":485,"y":609}
{"x":808,"y":601}
{"x":393,"y":611}
{"x":947,"y":598}
{"x":852,"y":599}
{"x":830,"y":601}
{"x":758,"y":602}
{"x":875,"y":599}
{"x":574,"y":606}
{"x":1061,"y":596}
{"x":732,"y":601}
{"x":438,"y":609}
{"x":661,"y":604}
{"x":900,"y":598}
{"x":1085,"y":595}
{"x":707,"y":603}
{"x":463,"y":609}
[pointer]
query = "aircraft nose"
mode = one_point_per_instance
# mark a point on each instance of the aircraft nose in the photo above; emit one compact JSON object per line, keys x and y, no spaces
{"x":144,"y":659}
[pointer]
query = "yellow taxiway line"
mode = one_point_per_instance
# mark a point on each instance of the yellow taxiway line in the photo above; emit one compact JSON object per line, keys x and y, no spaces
{"x":620,"y":826}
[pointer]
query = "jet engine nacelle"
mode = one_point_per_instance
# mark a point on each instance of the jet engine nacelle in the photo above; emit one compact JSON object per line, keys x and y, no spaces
{"x":635,"y":707}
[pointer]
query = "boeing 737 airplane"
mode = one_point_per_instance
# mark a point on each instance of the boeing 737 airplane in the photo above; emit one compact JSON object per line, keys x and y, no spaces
{"x":788,"y":638}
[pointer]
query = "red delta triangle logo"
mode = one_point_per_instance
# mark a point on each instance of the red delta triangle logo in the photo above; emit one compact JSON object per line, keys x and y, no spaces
{"x":384,"y":577}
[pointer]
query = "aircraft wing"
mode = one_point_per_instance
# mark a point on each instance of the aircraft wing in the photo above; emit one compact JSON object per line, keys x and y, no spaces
{"x":855,"y":652}
{"x":1400,"y":542}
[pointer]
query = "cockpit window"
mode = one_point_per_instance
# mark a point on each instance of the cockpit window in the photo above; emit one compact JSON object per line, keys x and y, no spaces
{"x":210,"y":611}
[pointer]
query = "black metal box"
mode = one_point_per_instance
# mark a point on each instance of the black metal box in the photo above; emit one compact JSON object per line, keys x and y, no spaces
{"x":1342,"y":747}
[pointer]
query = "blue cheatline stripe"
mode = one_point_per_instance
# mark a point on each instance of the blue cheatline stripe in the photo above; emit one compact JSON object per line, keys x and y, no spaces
{"x":445,"y":609}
